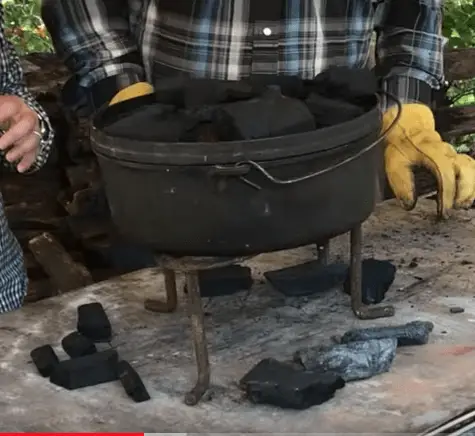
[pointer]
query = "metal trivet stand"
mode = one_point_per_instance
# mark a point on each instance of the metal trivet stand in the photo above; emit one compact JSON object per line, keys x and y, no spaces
{"x":190,"y":266}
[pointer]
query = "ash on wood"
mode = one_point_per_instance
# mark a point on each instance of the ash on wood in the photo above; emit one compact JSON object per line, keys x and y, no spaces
{"x":64,"y":272}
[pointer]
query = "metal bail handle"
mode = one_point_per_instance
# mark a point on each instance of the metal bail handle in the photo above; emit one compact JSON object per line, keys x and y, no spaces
{"x":244,"y":167}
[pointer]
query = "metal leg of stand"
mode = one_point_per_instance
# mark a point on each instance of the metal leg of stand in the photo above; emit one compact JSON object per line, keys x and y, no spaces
{"x":361,"y":310}
{"x":200,"y":346}
{"x":323,"y":253}
{"x":171,"y":302}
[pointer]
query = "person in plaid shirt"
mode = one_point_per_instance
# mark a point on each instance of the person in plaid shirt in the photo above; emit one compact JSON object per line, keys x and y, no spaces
{"x":25,"y":144}
{"x":118,"y":49}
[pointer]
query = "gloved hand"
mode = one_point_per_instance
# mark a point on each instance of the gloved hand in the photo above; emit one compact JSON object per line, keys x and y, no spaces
{"x":415,"y":142}
{"x":133,"y":91}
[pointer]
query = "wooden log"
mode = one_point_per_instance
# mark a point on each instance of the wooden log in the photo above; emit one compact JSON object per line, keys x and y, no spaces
{"x":455,"y":121}
{"x":64,"y":272}
{"x":39,"y":290}
{"x":459,"y":64}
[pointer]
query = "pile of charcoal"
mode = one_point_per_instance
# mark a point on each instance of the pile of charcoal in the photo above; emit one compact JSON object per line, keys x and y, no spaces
{"x":314,"y":374}
{"x":87,"y":365}
{"x":206,"y":110}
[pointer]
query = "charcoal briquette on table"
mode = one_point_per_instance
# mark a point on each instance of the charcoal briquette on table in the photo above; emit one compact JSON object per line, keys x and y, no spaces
{"x":351,"y":361}
{"x":307,"y":278}
{"x":227,"y":280}
{"x":412,"y":333}
{"x":94,"y":323}
{"x":376,"y":278}
{"x":45,"y":359}
{"x":132,"y":383}
{"x":283,"y":385}
{"x":76,"y":344}
{"x":89,"y":370}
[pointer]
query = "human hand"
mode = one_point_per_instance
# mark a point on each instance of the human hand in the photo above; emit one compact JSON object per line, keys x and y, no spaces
{"x":21,"y":140}
{"x":414,"y":142}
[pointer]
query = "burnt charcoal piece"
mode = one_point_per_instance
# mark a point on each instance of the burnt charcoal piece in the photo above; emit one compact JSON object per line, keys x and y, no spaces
{"x":193,"y":93}
{"x":281,"y":384}
{"x":90,"y":370}
{"x":272,"y":115}
{"x":45,"y":359}
{"x":290,"y":86}
{"x":330,"y":111}
{"x":412,"y":333}
{"x":355,"y":85}
{"x":77,"y":345}
{"x":457,"y":309}
{"x":353,"y":361}
{"x":119,"y":255}
{"x":226,"y":280}
{"x":132,"y":383}
{"x":207,"y":92}
{"x":141,"y":123}
{"x":377,"y":277}
{"x":153,"y":124}
{"x":93,"y":322}
{"x":307,"y":278}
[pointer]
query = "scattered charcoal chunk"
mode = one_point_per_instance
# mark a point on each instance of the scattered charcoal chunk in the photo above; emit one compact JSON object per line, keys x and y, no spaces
{"x":412,"y":333}
{"x":377,"y":277}
{"x":205,"y":92}
{"x":354,"y":85}
{"x":329,"y":111}
{"x":226,"y":280}
{"x":352,"y":361}
{"x":141,"y":123}
{"x":307,"y":278}
{"x":45,"y":359}
{"x":283,"y":385}
{"x":93,"y":322}
{"x":119,"y":255}
{"x":132,"y":382}
{"x":77,"y":345}
{"x":86,"y":371}
{"x":457,"y":309}
{"x":290,"y":86}
{"x":271,"y":115}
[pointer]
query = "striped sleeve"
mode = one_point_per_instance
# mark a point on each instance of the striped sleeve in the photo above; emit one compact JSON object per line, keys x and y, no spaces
{"x":410,"y":48}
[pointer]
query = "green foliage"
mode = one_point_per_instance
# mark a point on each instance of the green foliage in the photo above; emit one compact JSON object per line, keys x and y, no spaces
{"x":459,"y":23}
{"x":24,"y":27}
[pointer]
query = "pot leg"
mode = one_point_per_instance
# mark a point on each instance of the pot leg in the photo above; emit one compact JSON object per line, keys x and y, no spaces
{"x":361,"y":310}
{"x":171,"y":301}
{"x":323,"y":252}
{"x":195,"y":310}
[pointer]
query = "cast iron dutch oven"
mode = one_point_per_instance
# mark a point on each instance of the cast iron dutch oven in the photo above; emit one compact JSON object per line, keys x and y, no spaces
{"x":239,"y":198}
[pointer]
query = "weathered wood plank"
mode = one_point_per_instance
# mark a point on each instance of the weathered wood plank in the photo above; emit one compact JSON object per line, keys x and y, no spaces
{"x":64,"y":272}
{"x":456,"y":121}
{"x":459,"y":64}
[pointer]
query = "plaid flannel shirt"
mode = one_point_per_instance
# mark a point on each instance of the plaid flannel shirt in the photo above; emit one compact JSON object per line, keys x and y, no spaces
{"x":120,"y":42}
{"x":13,"y":278}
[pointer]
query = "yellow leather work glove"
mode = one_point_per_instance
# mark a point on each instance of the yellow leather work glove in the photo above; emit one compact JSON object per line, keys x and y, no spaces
{"x":133,"y":91}
{"x":414,"y":142}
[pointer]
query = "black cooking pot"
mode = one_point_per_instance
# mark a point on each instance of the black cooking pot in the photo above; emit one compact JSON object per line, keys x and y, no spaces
{"x":239,"y":198}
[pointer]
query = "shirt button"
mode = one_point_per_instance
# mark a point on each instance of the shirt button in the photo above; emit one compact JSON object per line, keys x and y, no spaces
{"x":267,"y":32}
